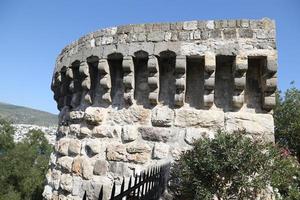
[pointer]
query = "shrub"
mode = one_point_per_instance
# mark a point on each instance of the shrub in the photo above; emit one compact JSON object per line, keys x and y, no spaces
{"x":232,"y":166}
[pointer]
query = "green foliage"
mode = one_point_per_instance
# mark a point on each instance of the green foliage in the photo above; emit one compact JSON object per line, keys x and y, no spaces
{"x":232,"y":166}
{"x":23,"y":165}
{"x":287,"y":120}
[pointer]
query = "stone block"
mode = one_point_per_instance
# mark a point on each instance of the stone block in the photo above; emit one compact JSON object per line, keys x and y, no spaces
{"x":120,"y":169}
{"x":162,"y":116}
{"x":66,"y":182}
{"x":116,"y":152}
{"x":156,"y":134}
{"x":84,"y":132}
{"x":129,"y":133}
{"x":94,"y":115}
{"x":82,"y":167}
{"x":245,"y":33}
{"x":193,"y":134}
{"x":47,"y":193}
{"x":106,"y":131}
{"x":63,"y":146}
{"x":229,"y":33}
{"x":93,"y":147}
{"x":77,"y":189}
{"x":65,"y":163}
{"x":199,"y":118}
{"x":139,"y":158}
{"x":160,"y":150}
{"x":156,"y":36}
{"x":74,"y":129}
{"x":138,"y":148}
{"x":252,"y":123}
{"x":74,"y":147}
{"x":190,"y":25}
{"x":101,"y":167}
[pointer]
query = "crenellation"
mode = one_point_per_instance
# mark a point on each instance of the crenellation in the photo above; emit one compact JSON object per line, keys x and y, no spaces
{"x":138,"y":95}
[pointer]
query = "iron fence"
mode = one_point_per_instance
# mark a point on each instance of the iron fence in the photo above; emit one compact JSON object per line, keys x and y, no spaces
{"x":149,"y":185}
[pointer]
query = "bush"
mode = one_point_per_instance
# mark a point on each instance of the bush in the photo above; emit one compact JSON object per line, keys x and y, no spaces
{"x":232,"y":166}
{"x":23,"y":165}
{"x":287,"y":120}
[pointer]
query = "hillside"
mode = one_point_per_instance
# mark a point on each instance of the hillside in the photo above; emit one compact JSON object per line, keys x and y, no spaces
{"x":23,"y":115}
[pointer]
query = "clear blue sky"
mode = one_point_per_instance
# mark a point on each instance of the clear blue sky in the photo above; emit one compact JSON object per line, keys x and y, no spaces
{"x":33,"y":32}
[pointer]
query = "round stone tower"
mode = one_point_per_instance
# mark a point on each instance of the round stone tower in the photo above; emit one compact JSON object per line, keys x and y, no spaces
{"x":135,"y":96}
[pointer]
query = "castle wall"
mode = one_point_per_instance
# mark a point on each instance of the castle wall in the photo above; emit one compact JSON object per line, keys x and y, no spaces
{"x":138,"y":95}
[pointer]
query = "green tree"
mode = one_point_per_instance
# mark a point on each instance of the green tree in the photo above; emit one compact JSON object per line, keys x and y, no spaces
{"x":23,"y":166}
{"x":287,"y":120}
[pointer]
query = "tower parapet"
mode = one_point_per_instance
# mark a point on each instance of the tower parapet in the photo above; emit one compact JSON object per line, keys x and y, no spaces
{"x":138,"y":95}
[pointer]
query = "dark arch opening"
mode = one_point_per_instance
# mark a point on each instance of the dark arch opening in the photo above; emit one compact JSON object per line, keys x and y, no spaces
{"x":116,"y":73}
{"x":167,"y":89}
{"x":93,"y":62}
{"x":141,"y":89}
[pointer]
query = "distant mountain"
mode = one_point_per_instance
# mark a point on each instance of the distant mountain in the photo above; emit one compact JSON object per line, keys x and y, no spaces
{"x":23,"y":115}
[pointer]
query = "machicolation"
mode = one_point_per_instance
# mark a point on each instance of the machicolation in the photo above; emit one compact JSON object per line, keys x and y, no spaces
{"x":138,"y":95}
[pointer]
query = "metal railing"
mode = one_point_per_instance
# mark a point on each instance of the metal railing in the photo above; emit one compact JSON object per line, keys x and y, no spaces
{"x":149,"y":185}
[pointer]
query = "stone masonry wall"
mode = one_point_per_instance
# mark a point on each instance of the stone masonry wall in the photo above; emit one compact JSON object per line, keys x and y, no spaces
{"x":138,"y":95}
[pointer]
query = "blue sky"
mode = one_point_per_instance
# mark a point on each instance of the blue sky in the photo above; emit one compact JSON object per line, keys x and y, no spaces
{"x":33,"y":32}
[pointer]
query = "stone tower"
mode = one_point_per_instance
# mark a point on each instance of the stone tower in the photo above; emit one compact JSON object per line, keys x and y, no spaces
{"x":138,"y":95}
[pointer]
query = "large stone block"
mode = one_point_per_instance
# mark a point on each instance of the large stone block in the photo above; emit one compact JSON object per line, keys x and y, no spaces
{"x":129,"y":133}
{"x":66,"y":182}
{"x":259,"y":126}
{"x":116,"y":152}
{"x":199,"y":118}
{"x":74,"y":147}
{"x":156,"y":134}
{"x":63,"y":146}
{"x":94,"y":115}
{"x":65,"y":163}
{"x":160,"y":150}
{"x":138,"y":148}
{"x":101,"y":167}
{"x":106,"y":131}
{"x":83,"y":167}
{"x":162,"y":116}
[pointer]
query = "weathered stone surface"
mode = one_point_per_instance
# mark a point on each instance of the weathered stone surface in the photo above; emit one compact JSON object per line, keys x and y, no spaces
{"x":84,"y":132}
{"x":162,"y":116}
{"x":106,"y":131}
{"x":94,"y":115}
{"x":93,"y":147}
{"x":260,"y":126}
{"x":156,"y":134}
{"x":65,"y":162}
{"x":66,"y":182}
{"x":193,"y":134}
{"x":55,"y":179}
{"x":74,"y":147}
{"x":120,"y":169}
{"x":116,"y":152}
{"x":160,"y":151}
{"x":199,"y":118}
{"x":63,"y":146}
{"x":47,"y":193}
{"x":77,"y":189}
{"x":76,"y":115}
{"x":101,"y":167}
{"x":138,"y":148}
{"x":75,"y":129}
{"x":139,"y":158}
{"x":134,"y":114}
{"x":129,"y":133}
{"x":82,"y":167}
